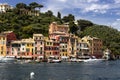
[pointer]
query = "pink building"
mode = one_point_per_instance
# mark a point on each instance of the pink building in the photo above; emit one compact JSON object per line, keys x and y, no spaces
{"x":39,"y":45}
{"x":55,"y":30}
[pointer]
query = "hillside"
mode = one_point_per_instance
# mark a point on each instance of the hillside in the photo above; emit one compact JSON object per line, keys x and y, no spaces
{"x":25,"y":25}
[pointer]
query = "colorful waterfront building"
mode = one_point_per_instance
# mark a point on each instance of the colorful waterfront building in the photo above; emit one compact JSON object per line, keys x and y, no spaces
{"x":51,"y":48}
{"x":10,"y":36}
{"x":64,"y":39}
{"x":3,"y":47}
{"x":95,"y":46}
{"x":72,"y":45}
{"x":39,"y":45}
{"x":67,"y":41}
{"x":82,"y":48}
{"x":23,"y":49}
{"x":17,"y":48}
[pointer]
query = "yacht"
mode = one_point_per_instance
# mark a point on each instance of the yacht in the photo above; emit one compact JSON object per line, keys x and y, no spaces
{"x":90,"y":59}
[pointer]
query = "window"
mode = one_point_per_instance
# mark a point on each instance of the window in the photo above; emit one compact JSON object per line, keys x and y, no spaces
{"x":3,"y":38}
{"x":2,"y":48}
{"x":27,"y":50}
{"x":47,"y":43}
{"x":32,"y":50}
{"x":27,"y":44}
{"x":41,"y":43}
{"x":2,"y":52}
{"x":23,"y":44}
{"x":35,"y":48}
{"x":12,"y":49}
{"x":41,"y":52}
{"x":18,"y":49}
{"x":40,"y":48}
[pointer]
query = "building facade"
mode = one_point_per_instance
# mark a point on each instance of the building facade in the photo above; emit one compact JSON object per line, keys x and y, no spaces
{"x":10,"y":36}
{"x":24,"y":49}
{"x":39,"y":45}
{"x":82,"y":48}
{"x":4,"y":7}
{"x":95,"y":46}
{"x":51,"y":48}
{"x":55,"y":30}
{"x":3,"y":48}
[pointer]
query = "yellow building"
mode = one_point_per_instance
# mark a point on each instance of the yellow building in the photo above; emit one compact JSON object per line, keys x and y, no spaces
{"x":83,"y":48}
{"x":3,"y":48}
{"x":29,"y":45}
{"x":72,"y":45}
{"x":95,"y":46}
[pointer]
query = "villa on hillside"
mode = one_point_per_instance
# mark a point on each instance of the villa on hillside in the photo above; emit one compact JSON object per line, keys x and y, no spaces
{"x":4,"y":7}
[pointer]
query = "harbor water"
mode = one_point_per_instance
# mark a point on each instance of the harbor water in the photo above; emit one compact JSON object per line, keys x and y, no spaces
{"x":105,"y":70}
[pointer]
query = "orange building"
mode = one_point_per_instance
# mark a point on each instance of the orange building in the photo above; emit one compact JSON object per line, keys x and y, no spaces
{"x":55,"y":30}
{"x":95,"y":46}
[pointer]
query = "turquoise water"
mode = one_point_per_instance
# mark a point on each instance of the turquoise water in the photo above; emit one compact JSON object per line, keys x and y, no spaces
{"x":106,"y":70}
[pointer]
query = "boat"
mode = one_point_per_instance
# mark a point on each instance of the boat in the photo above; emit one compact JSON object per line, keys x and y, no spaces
{"x":73,"y":59}
{"x":7,"y":59}
{"x":53,"y":60}
{"x":90,"y":59}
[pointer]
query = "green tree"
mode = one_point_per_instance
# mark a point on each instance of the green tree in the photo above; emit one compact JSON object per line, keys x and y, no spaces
{"x":73,"y":27}
{"x":59,"y":15}
{"x":49,"y":13}
{"x":68,"y":18}
{"x":84,"y":23}
{"x":34,"y":5}
{"x":21,"y":6}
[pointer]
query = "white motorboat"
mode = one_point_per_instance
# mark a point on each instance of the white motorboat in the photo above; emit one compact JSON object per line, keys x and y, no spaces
{"x":90,"y":59}
{"x":7,"y":59}
{"x":73,"y":59}
{"x":53,"y":59}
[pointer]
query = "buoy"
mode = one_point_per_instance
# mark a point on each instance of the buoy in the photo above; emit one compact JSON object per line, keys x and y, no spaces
{"x":32,"y":75}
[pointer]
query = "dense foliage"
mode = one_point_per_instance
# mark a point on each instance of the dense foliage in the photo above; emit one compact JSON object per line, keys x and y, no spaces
{"x":25,"y":25}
